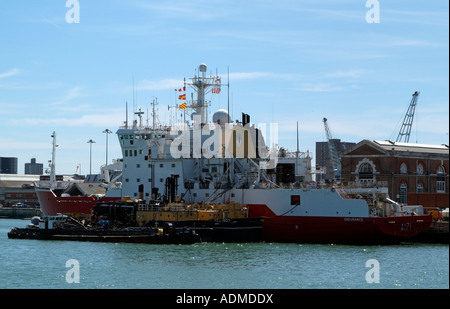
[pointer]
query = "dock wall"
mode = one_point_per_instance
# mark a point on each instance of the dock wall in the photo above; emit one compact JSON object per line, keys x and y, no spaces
{"x":19,"y":213}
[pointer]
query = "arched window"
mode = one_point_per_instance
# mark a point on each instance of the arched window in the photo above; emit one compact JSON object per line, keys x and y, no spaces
{"x":419,"y":169}
{"x":403,"y":168}
{"x":365,"y":171}
{"x":440,"y":180}
{"x":419,"y":188}
{"x":403,"y":192}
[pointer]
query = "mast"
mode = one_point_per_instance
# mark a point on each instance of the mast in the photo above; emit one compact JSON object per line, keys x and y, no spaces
{"x":139,"y":114}
{"x":228,"y":99}
{"x":126,"y":114}
{"x":52,"y":165}
{"x":154,"y":103}
{"x":201,"y":84}
{"x":298,"y":150}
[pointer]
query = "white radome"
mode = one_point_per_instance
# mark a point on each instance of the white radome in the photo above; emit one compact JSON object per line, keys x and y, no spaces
{"x":221,"y":116}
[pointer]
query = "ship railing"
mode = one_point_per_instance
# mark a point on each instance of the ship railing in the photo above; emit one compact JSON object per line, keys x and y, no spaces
{"x":343,"y":193}
{"x":367,"y":184}
{"x":158,"y":207}
{"x":147,"y":207}
{"x":145,"y":128}
{"x":293,"y":154}
{"x":53,"y":185}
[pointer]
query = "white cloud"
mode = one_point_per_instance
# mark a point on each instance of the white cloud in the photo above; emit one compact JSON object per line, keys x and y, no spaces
{"x":256,"y":75}
{"x":73,"y":93}
{"x":319,"y":87}
{"x":23,"y":144}
{"x":338,"y":14}
{"x":411,"y":43}
{"x":163,"y":84}
{"x":113,"y":117}
{"x":345,"y":74}
{"x":201,"y":10}
{"x":248,"y":75}
{"x":55,"y":21}
{"x":11,"y":72}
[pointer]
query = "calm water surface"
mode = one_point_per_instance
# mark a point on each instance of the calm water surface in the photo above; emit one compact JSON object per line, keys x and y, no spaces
{"x":42,"y":264}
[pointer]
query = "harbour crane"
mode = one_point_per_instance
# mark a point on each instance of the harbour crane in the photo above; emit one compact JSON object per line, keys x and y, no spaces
{"x":335,"y":161}
{"x":405,"y":130}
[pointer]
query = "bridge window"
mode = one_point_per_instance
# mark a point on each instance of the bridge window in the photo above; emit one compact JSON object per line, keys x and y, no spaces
{"x":295,"y":199}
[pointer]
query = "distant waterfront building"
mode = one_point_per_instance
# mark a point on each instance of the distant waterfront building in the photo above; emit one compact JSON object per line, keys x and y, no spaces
{"x":18,"y":188}
{"x":8,"y":165}
{"x":415,"y":174}
{"x":323,"y":158}
{"x":34,"y":168}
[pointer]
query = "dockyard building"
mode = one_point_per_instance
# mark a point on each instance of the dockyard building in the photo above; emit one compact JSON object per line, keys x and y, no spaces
{"x":323,"y":158}
{"x":34,"y":168}
{"x":18,"y":189}
{"x":8,"y":165}
{"x":415,"y":174}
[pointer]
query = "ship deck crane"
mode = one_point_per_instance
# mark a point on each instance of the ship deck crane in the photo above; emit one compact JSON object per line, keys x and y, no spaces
{"x":335,"y":161}
{"x":405,"y":130}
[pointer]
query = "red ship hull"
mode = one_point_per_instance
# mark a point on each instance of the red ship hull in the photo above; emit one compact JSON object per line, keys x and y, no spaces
{"x":308,"y":229}
{"x":301,"y":229}
{"x":344,"y":230}
{"x":52,"y":205}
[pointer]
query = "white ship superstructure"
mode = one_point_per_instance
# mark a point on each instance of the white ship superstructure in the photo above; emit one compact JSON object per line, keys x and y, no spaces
{"x":200,"y":161}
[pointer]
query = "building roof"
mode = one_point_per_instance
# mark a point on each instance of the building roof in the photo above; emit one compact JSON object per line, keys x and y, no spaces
{"x":414,"y":147}
{"x":391,"y":148}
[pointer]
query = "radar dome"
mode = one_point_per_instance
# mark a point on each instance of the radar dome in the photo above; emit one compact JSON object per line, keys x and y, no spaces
{"x":221,"y":116}
{"x":202,"y":67}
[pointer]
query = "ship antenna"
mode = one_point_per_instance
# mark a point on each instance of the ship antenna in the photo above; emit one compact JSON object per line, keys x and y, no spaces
{"x":154,"y":103}
{"x":228,"y":100}
{"x":52,"y":165}
{"x":126,"y":114}
{"x":229,"y":119}
{"x":298,"y":150}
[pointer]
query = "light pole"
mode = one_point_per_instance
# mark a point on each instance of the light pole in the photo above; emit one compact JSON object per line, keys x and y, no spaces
{"x":107,"y":131}
{"x":90,"y":155}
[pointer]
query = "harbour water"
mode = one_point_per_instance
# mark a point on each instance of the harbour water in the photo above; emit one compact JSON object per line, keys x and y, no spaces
{"x":34,"y":264}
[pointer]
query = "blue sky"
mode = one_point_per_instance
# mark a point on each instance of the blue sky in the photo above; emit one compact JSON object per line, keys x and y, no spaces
{"x":289,"y":61}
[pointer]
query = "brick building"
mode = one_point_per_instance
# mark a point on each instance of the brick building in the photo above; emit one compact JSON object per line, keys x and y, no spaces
{"x":413,"y":173}
{"x":323,"y":158}
{"x":18,"y":188}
